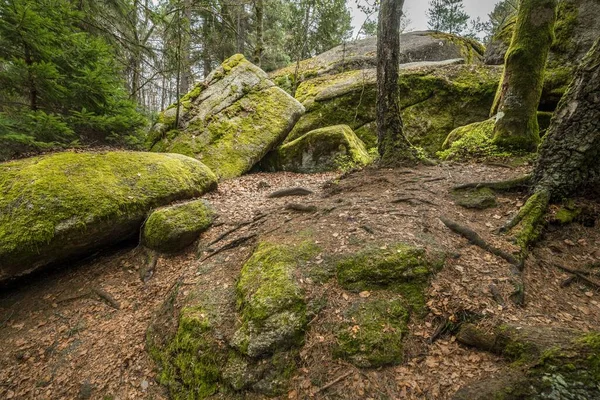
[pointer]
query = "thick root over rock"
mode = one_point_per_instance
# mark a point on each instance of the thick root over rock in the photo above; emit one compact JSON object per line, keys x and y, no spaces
{"x":527,"y":225}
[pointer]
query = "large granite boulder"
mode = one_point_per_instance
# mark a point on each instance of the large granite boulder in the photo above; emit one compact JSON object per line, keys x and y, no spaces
{"x":361,"y":54}
{"x":62,"y":205}
{"x":437,"y":97}
{"x":326,"y":149}
{"x":229,"y":121}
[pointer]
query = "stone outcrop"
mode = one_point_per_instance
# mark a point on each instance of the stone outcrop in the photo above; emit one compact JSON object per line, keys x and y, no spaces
{"x":437,"y":97}
{"x":229,"y":121}
{"x":326,"y":149}
{"x":66,"y":204}
{"x":361,"y":54}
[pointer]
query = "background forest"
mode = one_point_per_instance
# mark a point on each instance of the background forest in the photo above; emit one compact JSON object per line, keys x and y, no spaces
{"x":96,"y":72}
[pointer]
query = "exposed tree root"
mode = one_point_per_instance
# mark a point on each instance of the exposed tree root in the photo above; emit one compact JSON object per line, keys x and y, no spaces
{"x":106,"y":298}
{"x":296,"y":191}
{"x":496,"y":295}
{"x":333,"y":382}
{"x":237,"y":227}
{"x":231,"y":245}
{"x":518,"y":296}
{"x":579,"y":275}
{"x":527,"y":225}
{"x":474,"y":238}
{"x":148,"y":268}
{"x":516,"y":184}
{"x":300,"y":207}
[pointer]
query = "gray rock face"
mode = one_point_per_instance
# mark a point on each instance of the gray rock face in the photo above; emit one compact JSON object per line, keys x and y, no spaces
{"x":230,"y":121}
{"x":361,"y":54}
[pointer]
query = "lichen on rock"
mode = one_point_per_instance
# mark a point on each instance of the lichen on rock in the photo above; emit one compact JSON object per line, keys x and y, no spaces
{"x":175,"y":227}
{"x":65,"y":204}
{"x":229,"y":121}
{"x":326,"y":149}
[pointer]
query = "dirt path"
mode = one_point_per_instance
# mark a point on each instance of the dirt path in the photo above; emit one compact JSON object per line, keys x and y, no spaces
{"x":60,"y":339}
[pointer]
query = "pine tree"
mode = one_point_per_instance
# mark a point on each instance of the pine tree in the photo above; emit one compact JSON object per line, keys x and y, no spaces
{"x":57,"y":82}
{"x":447,"y":16}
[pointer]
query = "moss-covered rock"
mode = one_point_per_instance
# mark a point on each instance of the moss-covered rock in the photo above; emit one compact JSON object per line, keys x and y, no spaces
{"x":479,"y":198}
{"x":229,"y":121}
{"x":176,"y":227}
{"x":361,"y":54}
{"x":548,"y":363}
{"x":325,"y":149}
{"x":372,"y":333}
{"x":388,"y":267}
{"x":229,"y":339}
{"x":436,"y":98}
{"x":62,"y":205}
{"x":271,"y":301}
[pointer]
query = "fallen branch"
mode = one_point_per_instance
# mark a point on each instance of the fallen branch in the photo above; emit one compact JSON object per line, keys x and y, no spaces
{"x":296,"y":191}
{"x":333,"y":382}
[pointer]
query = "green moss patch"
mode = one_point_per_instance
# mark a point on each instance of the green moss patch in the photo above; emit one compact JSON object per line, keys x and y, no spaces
{"x":372,"y":333}
{"x":326,"y":149}
{"x":270,"y":300}
{"x":174,"y":228}
{"x":480,"y":198}
{"x":61,"y":205}
{"x":386,"y":268}
{"x":230,"y":121}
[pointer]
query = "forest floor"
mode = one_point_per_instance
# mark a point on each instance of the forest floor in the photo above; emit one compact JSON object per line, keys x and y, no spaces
{"x":59,"y":339}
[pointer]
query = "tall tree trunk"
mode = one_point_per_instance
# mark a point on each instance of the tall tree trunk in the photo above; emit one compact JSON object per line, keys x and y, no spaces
{"x":187,"y":78}
{"x":33,"y":92}
{"x":394,"y":148}
{"x":258,"y":50}
{"x":519,"y":94}
{"x":570,"y":152}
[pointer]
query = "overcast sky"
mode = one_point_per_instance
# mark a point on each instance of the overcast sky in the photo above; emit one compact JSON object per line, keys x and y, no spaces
{"x":416,"y":11}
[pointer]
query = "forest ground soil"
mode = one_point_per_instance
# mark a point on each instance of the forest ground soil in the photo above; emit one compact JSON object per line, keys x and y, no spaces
{"x":58,"y":340}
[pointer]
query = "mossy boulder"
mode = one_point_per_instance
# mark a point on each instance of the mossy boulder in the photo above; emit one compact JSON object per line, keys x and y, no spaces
{"x":271,"y":300}
{"x":173,"y":228}
{"x":478,"y":198}
{"x":437,"y":98}
{"x":326,"y":149}
{"x":66,"y":204}
{"x":548,"y":363}
{"x":229,"y":121}
{"x":390,"y":267}
{"x":361,"y":54}
{"x":235,"y":340}
{"x":372,"y":333}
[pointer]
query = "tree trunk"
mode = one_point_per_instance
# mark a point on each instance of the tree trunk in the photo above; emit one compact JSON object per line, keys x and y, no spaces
{"x":519,"y":94}
{"x":258,"y":50}
{"x":394,"y":148}
{"x":570,"y":153}
{"x":187,"y":78}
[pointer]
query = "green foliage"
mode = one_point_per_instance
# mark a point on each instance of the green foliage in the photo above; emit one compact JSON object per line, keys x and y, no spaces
{"x":447,"y":16}
{"x":57,"y":82}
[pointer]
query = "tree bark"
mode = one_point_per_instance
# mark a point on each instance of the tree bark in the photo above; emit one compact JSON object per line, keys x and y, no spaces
{"x":519,"y":94}
{"x":258,"y":49}
{"x":570,"y":153}
{"x":394,"y":148}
